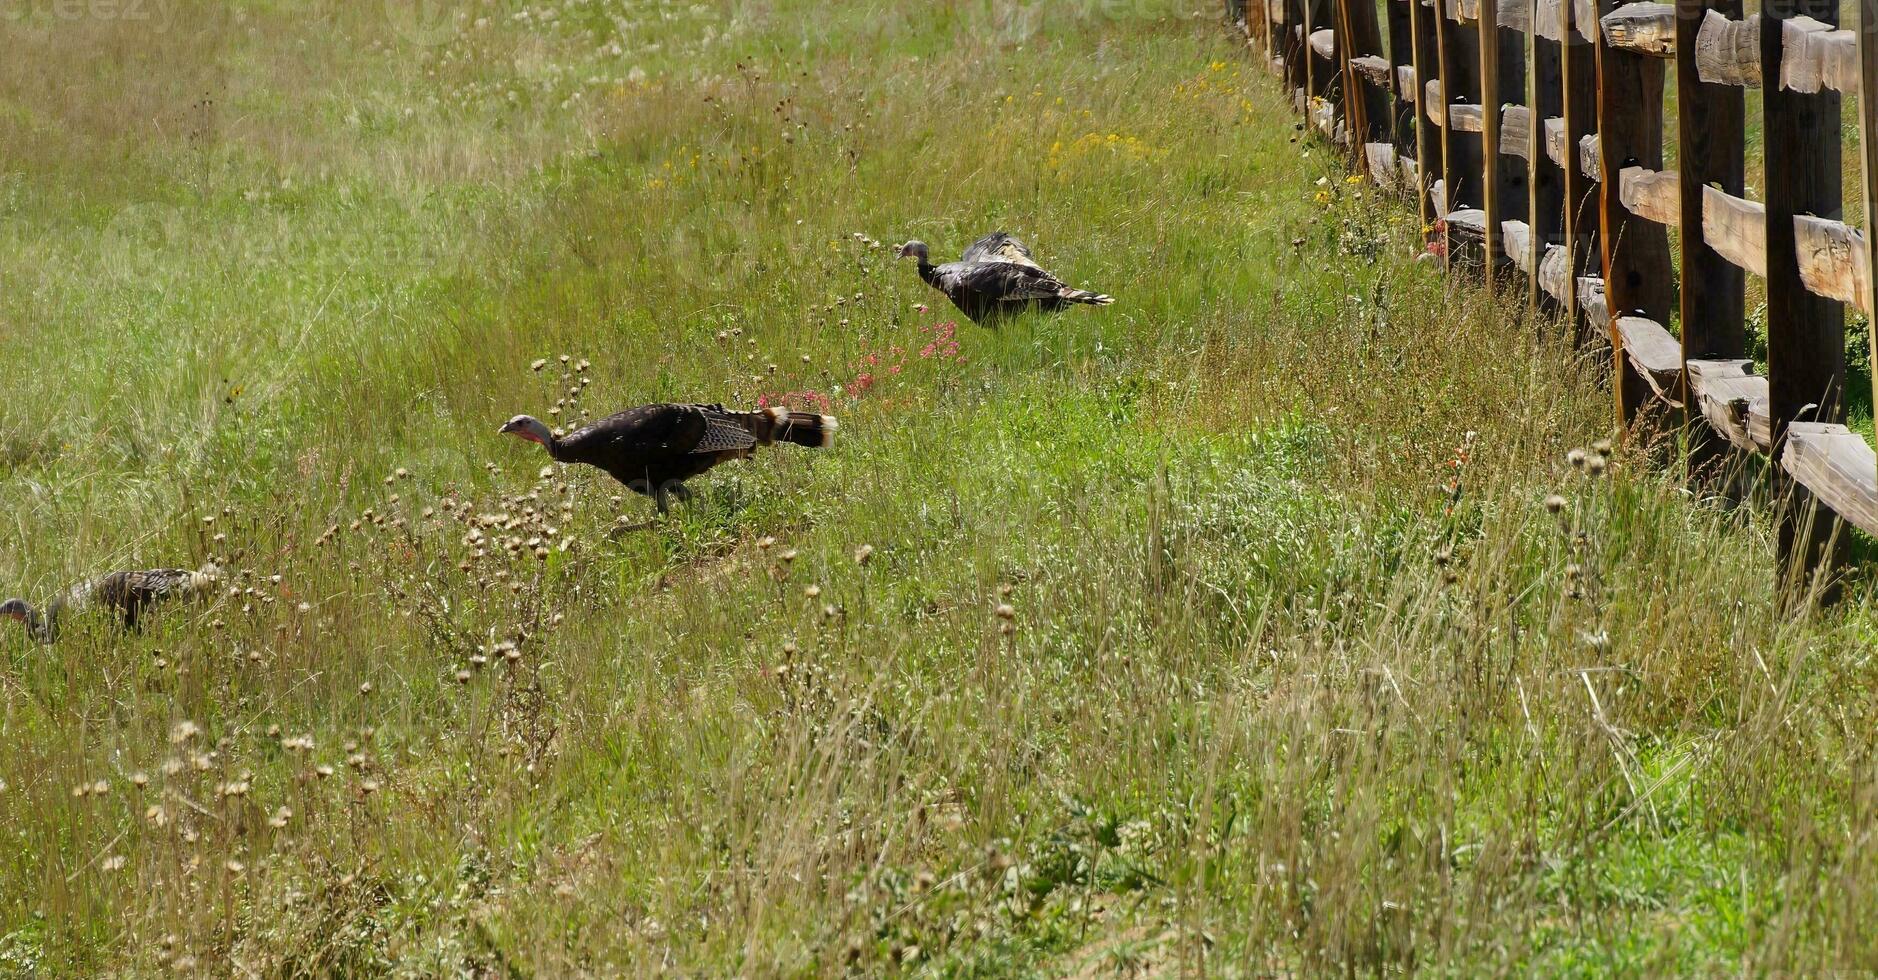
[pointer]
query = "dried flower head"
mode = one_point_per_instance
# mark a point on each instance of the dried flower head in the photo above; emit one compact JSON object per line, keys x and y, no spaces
{"x":1554,"y":503}
{"x":1576,"y":457}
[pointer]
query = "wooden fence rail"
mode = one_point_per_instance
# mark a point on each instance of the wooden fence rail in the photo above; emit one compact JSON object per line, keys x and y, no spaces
{"x":1531,"y":134}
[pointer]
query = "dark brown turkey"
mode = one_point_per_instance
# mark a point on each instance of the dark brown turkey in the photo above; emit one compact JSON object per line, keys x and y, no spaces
{"x":995,"y":277}
{"x":126,"y":595}
{"x":653,"y":449}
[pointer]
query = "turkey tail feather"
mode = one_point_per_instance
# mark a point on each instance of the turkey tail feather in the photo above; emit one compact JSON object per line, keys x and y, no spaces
{"x":805,"y":428}
{"x":1085,"y":296}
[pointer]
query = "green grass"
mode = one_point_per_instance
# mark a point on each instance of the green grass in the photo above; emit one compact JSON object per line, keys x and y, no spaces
{"x":1271,"y":693}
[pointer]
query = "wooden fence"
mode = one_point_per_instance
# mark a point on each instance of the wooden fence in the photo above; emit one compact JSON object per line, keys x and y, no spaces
{"x":1532,"y":134}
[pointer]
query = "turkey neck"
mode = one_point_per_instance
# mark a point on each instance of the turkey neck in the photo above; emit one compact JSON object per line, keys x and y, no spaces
{"x":927,"y":272}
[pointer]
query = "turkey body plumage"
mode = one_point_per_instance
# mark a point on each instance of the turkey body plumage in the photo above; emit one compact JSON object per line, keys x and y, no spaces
{"x":653,"y":449}
{"x":125,"y":595}
{"x":996,"y":277}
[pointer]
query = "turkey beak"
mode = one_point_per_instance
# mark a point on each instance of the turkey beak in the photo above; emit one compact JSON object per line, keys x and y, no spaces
{"x":507,"y":427}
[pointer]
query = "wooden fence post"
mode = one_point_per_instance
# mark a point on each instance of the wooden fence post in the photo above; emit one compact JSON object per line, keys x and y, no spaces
{"x":1545,"y":183}
{"x":1637,"y":271}
{"x":1805,"y":332}
{"x":1426,"y":55}
{"x":1463,"y":163}
{"x":1292,"y":46}
{"x":1579,"y":107}
{"x":1366,"y":104}
{"x":1711,"y":127}
{"x":1402,"y":104}
{"x":1502,"y":73}
{"x":1868,"y":171}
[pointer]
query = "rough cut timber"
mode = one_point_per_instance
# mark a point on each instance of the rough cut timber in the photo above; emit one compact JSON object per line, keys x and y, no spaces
{"x":1515,"y":130}
{"x":1547,"y":20}
{"x":1588,"y":156}
{"x":1518,"y":238}
{"x":1732,"y":400}
{"x":1655,"y":354}
{"x":1555,"y":271}
{"x":1591,"y":300}
{"x":1833,"y":259}
{"x":1464,"y":118}
{"x":1411,"y":171}
{"x":1381,"y":159}
{"x":1431,"y":97}
{"x":1642,"y":28}
{"x":1555,"y":140}
{"x":1464,"y":11}
{"x":1467,"y":222}
{"x":1324,"y":42}
{"x":1438,"y":197}
{"x":1652,"y":194}
{"x":1405,"y":83}
{"x":1585,"y":19}
{"x":1838,"y":466}
{"x":1514,"y":15}
{"x":1728,"y":51}
{"x":1817,"y":57}
{"x":1736,"y":229}
{"x":1373,"y":69}
{"x":1814,"y":57}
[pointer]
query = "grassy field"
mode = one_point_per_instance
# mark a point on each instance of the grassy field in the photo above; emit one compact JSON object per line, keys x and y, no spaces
{"x":1225,"y":629}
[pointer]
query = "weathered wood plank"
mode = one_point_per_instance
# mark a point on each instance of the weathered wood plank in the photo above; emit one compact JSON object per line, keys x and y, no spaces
{"x":1555,"y":140}
{"x":1728,"y":50}
{"x":1592,"y":301}
{"x":1516,"y":131}
{"x":1514,"y":15}
{"x":1555,"y":272}
{"x":1585,"y":20}
{"x":1406,"y":88}
{"x":1817,"y":57}
{"x":1467,"y":221}
{"x":1838,"y":467}
{"x":1437,"y":109}
{"x":1411,"y":171}
{"x":1424,"y":60}
{"x":1438,"y":197}
{"x":1548,"y":21}
{"x":1371,"y":68}
{"x":1382,"y":165}
{"x":1464,"y":118}
{"x":1736,"y":229}
{"x":1642,"y":28}
{"x":1731,"y":399}
{"x":1652,"y":194}
{"x":1324,"y":43}
{"x":1464,"y":11}
{"x":1463,"y":155}
{"x":1834,"y":260}
{"x":1518,"y":238}
{"x":1589,"y":151}
{"x":1656,"y":356}
{"x":1578,"y":108}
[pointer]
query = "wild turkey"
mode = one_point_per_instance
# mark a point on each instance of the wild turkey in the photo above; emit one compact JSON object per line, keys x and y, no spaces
{"x":997,"y":276}
{"x":653,"y":449}
{"x":125,"y":594}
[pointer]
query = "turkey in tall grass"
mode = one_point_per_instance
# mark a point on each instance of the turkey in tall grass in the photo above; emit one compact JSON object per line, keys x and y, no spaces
{"x":125,"y":595}
{"x":653,"y":449}
{"x":995,"y":277}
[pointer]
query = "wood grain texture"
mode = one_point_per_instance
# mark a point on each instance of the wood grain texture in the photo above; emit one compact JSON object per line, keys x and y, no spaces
{"x":1731,"y":397}
{"x":1816,"y":57}
{"x":1516,"y":131}
{"x":1324,"y":43}
{"x":1554,"y":139}
{"x":1464,"y":118}
{"x":1654,"y":355}
{"x":1642,"y":28}
{"x":1652,"y":194}
{"x":1555,"y":274}
{"x":1517,"y":236}
{"x":1548,"y":20}
{"x":1590,"y":152}
{"x":1373,"y":69}
{"x":1380,"y":158}
{"x":1728,"y":49}
{"x":1834,"y":260}
{"x":1838,"y":467}
{"x":1736,"y":229}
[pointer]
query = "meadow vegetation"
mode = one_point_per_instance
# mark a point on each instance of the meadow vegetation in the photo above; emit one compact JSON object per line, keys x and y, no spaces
{"x":1231,"y":628}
